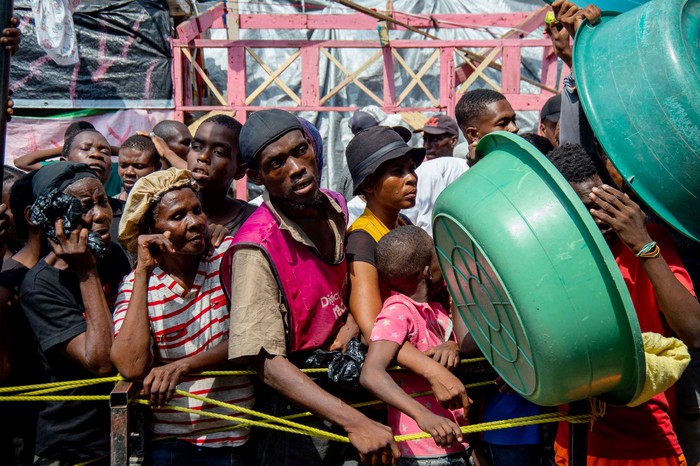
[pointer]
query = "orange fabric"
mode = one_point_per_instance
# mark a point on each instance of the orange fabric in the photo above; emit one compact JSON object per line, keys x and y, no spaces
{"x":561,"y":456}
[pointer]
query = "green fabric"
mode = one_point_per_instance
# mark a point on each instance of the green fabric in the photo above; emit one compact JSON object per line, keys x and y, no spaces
{"x":113,"y":186}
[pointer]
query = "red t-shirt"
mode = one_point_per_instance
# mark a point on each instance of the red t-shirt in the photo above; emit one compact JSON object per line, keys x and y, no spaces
{"x":646,"y":430}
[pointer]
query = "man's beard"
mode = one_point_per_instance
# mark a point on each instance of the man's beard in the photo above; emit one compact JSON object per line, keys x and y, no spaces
{"x":297,"y":206}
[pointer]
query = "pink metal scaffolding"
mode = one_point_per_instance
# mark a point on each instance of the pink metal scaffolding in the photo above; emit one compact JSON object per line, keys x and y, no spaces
{"x":461,"y":62}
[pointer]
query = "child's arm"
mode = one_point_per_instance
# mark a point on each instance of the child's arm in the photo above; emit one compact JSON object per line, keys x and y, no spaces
{"x":375,"y":378}
{"x":32,"y":161}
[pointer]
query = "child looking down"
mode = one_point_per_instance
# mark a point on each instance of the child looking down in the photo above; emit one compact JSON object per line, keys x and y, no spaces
{"x":404,"y":257}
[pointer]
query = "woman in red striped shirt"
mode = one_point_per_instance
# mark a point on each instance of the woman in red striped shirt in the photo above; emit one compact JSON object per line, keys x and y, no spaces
{"x":171,"y":320}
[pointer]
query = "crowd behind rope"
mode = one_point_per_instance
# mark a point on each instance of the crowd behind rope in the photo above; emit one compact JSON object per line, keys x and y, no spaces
{"x":153,"y":270}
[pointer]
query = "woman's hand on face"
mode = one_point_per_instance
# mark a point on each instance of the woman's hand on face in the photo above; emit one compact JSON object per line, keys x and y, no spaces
{"x":73,"y":249}
{"x":151,"y":249}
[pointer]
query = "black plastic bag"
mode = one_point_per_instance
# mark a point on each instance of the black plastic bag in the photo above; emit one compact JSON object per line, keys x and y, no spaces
{"x":54,"y":205}
{"x":344,"y":367}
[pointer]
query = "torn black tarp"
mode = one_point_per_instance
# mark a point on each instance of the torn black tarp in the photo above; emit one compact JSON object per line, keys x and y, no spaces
{"x":124,"y":59}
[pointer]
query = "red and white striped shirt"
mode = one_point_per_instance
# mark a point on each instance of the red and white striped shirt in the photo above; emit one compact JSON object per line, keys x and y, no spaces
{"x":183,"y":324}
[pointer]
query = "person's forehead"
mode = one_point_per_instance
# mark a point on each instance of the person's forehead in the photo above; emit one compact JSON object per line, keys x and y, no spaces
{"x":215,"y":134}
{"x":85,"y":187}
{"x":177,"y":197}
{"x":283,"y":145}
{"x":133,"y":154}
{"x":584,"y":188}
{"x":90,"y":137}
{"x":498,"y":109}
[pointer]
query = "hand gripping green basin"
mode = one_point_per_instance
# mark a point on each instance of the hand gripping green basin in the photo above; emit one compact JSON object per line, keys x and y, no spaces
{"x":638,"y":75}
{"x":535,"y":281}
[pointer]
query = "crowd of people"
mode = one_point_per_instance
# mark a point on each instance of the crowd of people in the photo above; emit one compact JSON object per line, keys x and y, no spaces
{"x":156,"y":272}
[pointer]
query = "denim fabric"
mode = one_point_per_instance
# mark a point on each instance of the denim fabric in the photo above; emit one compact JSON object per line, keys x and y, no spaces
{"x":175,"y":452}
{"x":458,"y":459}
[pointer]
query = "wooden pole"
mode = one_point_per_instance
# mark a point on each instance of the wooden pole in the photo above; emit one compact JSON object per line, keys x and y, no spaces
{"x":5,"y":15}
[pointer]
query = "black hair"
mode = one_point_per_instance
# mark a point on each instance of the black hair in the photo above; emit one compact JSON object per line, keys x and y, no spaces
{"x":76,"y":127}
{"x":573,"y":162}
{"x":472,"y":105}
{"x":227,"y":121}
{"x":541,"y":143}
{"x":143,"y":144}
{"x":69,"y":141}
{"x":21,"y":197}
{"x":11,"y":174}
{"x":402,"y":255}
{"x":169,"y":128}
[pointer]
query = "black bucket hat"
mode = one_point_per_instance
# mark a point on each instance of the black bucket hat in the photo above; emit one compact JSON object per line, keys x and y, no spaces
{"x":372,"y":147}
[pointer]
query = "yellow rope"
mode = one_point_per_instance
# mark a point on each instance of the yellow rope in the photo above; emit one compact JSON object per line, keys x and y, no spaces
{"x":310,"y":431}
{"x":268,"y":417}
{"x":118,"y":378}
{"x":40,"y":386}
{"x":308,"y":371}
{"x":55,"y":398}
{"x":507,"y":423}
{"x":364,"y":404}
{"x":57,"y":389}
{"x":277,"y":423}
{"x":306,"y":414}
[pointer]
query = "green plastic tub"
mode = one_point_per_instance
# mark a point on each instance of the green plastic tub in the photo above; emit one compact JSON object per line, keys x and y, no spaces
{"x":638,"y":75}
{"x":535,"y":281}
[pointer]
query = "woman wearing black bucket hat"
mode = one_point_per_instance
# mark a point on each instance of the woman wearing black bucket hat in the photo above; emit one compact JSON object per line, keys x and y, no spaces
{"x":383,"y":168}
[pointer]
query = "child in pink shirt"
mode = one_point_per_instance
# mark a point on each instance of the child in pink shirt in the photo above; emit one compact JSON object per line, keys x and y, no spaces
{"x":404,"y":257}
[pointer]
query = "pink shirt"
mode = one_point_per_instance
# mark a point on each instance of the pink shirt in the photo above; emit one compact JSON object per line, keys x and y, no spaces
{"x":425,"y":325}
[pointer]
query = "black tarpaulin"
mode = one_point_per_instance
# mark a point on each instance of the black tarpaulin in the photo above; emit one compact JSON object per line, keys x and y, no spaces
{"x":124,"y":59}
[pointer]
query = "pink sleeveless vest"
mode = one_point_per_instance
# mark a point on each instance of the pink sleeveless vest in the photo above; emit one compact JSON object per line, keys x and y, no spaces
{"x":314,"y":290}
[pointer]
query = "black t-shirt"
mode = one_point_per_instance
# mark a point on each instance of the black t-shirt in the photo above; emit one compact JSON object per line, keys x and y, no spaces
{"x":360,"y":247}
{"x":26,"y":370}
{"x":117,"y":211}
{"x":237,"y":222}
{"x":50,"y":298}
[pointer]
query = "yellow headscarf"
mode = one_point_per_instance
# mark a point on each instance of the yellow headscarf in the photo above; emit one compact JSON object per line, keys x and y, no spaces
{"x":146,"y":192}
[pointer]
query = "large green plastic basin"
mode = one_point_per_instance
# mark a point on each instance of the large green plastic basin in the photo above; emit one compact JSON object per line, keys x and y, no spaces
{"x":638,"y":75}
{"x":534,"y":280}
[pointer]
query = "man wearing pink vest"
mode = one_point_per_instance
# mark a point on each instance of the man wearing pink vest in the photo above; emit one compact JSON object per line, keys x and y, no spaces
{"x":288,"y":287}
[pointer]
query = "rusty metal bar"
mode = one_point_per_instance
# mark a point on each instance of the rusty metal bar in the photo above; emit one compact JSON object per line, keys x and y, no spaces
{"x":121,"y":440}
